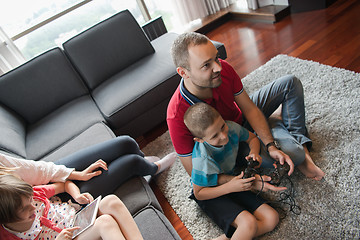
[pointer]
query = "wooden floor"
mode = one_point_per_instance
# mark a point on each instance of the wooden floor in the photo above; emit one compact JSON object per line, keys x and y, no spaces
{"x":330,"y":36}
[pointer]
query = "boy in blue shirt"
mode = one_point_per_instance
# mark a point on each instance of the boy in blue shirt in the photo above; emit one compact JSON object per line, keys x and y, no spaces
{"x":240,"y":213}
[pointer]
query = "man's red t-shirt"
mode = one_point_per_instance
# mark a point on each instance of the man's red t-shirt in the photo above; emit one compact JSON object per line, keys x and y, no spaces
{"x":223,"y":101}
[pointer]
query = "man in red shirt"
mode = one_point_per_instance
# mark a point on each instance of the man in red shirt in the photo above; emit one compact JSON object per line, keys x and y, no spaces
{"x":207,"y":78}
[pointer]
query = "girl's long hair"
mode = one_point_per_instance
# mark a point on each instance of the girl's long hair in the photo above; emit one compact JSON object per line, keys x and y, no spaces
{"x":12,"y":191}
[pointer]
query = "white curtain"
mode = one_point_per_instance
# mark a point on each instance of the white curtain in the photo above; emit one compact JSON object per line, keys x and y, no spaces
{"x":10,"y":55}
{"x":190,"y":10}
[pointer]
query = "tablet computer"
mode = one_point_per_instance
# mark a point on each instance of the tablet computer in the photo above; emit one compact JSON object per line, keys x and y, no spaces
{"x":85,"y":218}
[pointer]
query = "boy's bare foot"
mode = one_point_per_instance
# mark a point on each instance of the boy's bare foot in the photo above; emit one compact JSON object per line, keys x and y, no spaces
{"x":309,"y":169}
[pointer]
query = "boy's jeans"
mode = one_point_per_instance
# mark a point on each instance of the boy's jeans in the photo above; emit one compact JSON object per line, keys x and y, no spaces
{"x":291,"y":132}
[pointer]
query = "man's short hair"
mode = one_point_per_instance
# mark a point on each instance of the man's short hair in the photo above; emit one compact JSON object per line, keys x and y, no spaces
{"x":179,"y":49}
{"x":199,"y":117}
{"x":12,"y":190}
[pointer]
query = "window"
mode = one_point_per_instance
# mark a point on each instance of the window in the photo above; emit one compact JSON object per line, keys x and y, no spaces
{"x":38,"y":25}
{"x":15,"y":19}
{"x":165,"y":8}
{"x":59,"y":30}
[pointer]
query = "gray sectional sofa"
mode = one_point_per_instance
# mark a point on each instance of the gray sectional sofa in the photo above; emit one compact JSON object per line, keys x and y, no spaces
{"x":109,"y":80}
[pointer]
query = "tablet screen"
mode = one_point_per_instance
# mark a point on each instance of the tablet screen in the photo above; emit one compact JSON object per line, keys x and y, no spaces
{"x":86,"y":217}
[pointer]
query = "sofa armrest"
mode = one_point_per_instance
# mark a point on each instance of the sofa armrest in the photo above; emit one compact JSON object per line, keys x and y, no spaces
{"x":154,"y":28}
{"x":153,"y":225}
{"x":137,"y":194}
{"x":221,"y":49}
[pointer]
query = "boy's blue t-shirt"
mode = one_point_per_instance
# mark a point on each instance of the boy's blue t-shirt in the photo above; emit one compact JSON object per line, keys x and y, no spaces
{"x":209,"y":161}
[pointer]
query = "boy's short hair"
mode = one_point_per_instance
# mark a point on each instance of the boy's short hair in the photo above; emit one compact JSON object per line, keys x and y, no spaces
{"x":12,"y":190}
{"x":179,"y":49}
{"x":199,"y":117}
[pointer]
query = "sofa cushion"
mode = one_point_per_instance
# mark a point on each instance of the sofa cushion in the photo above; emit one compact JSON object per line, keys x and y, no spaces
{"x":107,"y":48}
{"x":96,"y":133}
{"x":153,"y":225}
{"x":40,"y":86}
{"x":59,"y":127}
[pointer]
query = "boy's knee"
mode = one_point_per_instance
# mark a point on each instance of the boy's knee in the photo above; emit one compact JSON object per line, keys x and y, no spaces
{"x":268,"y":216}
{"x":246,"y":220}
{"x":272,"y":219}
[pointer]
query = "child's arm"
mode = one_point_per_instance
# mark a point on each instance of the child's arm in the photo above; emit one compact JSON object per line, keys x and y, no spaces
{"x":59,"y":187}
{"x":74,"y":191}
{"x":254,"y":145}
{"x":236,"y":184}
{"x":66,"y":233}
{"x":92,"y":171}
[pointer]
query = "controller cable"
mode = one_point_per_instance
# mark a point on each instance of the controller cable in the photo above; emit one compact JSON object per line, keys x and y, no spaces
{"x":286,"y":198}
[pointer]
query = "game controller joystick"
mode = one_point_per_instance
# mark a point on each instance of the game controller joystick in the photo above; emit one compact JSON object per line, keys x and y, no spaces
{"x":279,"y":173}
{"x":250,"y":170}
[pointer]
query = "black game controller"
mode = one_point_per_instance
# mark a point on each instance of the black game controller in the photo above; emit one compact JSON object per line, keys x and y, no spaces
{"x":250,"y":170}
{"x":279,"y":173}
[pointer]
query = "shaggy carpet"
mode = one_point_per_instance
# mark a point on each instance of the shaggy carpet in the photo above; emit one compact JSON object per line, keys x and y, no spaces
{"x":330,"y":209}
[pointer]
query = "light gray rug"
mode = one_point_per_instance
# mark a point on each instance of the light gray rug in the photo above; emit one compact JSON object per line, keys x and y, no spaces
{"x":330,"y":209}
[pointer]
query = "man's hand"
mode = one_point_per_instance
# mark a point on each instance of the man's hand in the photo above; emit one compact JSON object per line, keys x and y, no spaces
{"x":66,"y":233}
{"x":280,"y":156}
{"x":255,"y":157}
{"x":261,"y":184}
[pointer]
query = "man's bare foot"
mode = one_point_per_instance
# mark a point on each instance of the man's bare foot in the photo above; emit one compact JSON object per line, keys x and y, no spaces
{"x":221,"y":237}
{"x":309,"y":169}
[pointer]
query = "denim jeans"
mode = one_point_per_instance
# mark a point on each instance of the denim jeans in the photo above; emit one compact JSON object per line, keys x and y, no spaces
{"x":291,"y":132}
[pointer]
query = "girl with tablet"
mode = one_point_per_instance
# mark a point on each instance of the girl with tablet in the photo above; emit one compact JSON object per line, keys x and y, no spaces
{"x":27,"y":213}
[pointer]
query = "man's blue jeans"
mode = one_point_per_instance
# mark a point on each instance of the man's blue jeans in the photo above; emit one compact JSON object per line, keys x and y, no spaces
{"x":291,"y":132}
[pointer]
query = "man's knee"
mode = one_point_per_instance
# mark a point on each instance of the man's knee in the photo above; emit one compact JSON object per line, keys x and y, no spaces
{"x":294,"y":84}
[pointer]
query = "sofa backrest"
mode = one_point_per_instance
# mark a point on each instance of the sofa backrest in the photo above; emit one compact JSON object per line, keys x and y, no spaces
{"x":40,"y":86}
{"x":107,"y":48}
